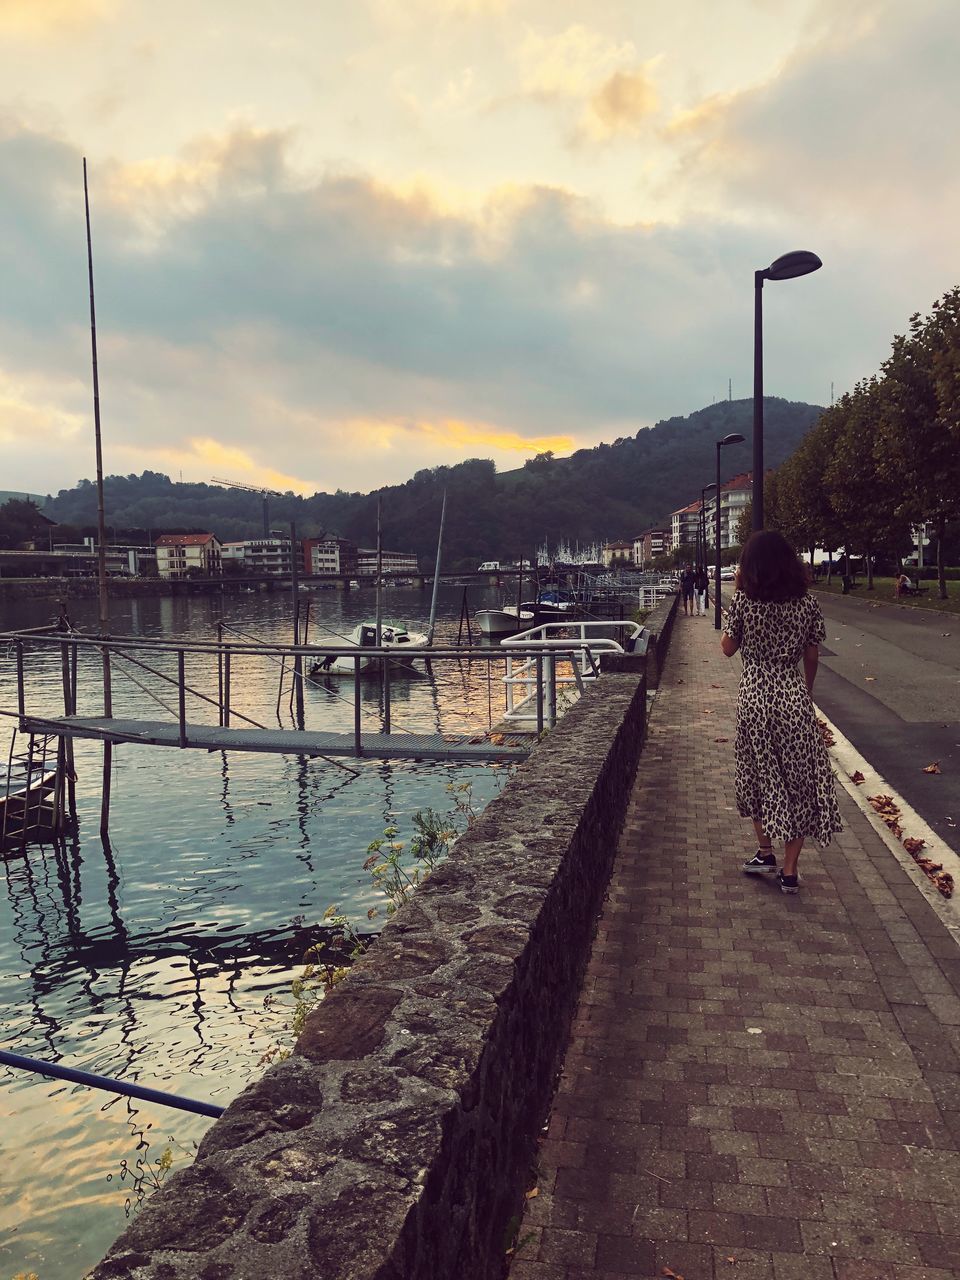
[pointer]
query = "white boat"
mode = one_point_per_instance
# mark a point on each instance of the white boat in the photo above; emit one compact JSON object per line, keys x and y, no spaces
{"x":503,"y":622}
{"x":404,"y":646}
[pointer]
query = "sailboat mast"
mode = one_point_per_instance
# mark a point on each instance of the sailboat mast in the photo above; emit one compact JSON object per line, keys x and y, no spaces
{"x":101,"y":521}
{"x":436,"y":572}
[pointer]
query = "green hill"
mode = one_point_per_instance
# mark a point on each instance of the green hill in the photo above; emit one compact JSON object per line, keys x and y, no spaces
{"x":610,"y":491}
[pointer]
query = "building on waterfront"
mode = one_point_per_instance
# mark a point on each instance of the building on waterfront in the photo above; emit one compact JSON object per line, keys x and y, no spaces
{"x":183,"y":555}
{"x":336,"y":556}
{"x":261,"y":556}
{"x":617,"y":554}
{"x":650,"y":545}
{"x":401,"y":562}
{"x":735,"y":495}
{"x":684,"y":526}
{"x":123,"y":560}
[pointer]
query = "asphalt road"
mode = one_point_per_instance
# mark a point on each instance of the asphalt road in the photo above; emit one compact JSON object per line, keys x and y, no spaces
{"x":889,"y":679}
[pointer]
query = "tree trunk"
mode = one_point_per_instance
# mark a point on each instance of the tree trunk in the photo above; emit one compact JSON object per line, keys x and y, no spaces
{"x":869,"y":559}
{"x":829,"y":567}
{"x":941,"y":576}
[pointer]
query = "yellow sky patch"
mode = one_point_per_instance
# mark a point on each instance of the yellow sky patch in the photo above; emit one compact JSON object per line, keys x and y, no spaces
{"x":52,"y":17}
{"x":455,"y":433}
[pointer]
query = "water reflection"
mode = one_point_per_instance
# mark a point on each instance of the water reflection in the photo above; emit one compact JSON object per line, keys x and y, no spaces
{"x":164,"y":955}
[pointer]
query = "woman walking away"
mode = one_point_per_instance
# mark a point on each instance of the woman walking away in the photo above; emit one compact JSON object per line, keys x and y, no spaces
{"x":783,"y":777}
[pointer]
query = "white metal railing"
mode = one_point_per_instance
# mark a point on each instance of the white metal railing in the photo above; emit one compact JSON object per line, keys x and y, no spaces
{"x":568,"y":658}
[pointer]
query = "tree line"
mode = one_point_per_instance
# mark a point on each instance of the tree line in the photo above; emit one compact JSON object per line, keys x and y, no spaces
{"x":883,"y":458}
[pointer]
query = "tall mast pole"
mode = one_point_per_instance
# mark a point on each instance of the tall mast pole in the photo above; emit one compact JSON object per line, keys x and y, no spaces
{"x":101,"y":532}
{"x":379,"y":614}
{"x":436,"y":572}
{"x":101,"y":522}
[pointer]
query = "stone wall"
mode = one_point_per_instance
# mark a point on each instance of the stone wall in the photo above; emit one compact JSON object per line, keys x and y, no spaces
{"x":396,"y":1143}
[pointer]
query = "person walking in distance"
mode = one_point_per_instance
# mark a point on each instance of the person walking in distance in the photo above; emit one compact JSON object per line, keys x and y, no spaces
{"x":687,"y":582}
{"x":701,"y":587}
{"x":783,"y":778}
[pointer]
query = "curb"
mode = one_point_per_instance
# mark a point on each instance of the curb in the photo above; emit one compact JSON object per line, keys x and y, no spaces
{"x":848,"y":760}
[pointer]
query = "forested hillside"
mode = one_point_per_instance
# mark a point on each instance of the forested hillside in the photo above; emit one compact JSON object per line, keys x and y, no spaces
{"x":610,"y":491}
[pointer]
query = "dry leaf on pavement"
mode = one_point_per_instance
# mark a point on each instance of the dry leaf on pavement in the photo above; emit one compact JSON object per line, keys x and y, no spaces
{"x":932,"y":768}
{"x":857,"y":777}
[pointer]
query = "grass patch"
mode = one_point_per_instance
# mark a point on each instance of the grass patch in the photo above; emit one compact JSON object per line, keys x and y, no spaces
{"x":883,"y":590}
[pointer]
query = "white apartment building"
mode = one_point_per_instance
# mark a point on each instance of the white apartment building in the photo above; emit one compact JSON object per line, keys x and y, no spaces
{"x":735,"y":495}
{"x":181,"y":554}
{"x":330,"y":555}
{"x":684,"y":525}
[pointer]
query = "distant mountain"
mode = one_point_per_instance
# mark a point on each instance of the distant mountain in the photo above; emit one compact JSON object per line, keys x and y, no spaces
{"x":610,"y":491}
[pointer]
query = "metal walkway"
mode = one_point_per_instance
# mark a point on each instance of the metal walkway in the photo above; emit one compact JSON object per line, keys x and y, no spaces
{"x":206,"y":737}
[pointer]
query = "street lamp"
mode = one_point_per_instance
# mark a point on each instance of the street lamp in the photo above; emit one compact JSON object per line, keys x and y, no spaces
{"x":702,"y":526}
{"x":799,"y":263}
{"x":735,"y":438}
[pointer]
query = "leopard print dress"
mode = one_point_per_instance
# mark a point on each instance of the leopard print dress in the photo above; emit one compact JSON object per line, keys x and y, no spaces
{"x":783,"y":775}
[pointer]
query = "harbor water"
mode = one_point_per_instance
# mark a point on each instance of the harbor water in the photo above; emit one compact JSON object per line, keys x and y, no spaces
{"x":165,"y":954}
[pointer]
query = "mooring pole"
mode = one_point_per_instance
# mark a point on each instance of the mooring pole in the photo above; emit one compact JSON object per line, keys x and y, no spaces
{"x":357,"y":745}
{"x":220,"y":672}
{"x":297,"y":657}
{"x":386,"y":695}
{"x":182,"y":697}
{"x":226,"y":687}
{"x":101,"y":524}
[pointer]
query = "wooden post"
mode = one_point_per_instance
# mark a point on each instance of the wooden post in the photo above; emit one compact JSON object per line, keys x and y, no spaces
{"x":226,"y":687}
{"x":21,"y":697}
{"x":539,"y":661}
{"x":220,"y":673}
{"x":182,"y":697}
{"x":297,"y":657}
{"x":357,"y":744}
{"x":386,"y":695}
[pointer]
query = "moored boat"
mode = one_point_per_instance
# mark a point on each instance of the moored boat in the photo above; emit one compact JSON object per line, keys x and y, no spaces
{"x":503,"y":622}
{"x":404,"y":646}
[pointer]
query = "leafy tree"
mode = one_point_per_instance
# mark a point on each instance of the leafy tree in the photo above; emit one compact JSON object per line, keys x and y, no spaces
{"x":861,"y":489}
{"x":919,"y":443}
{"x":20,"y":522}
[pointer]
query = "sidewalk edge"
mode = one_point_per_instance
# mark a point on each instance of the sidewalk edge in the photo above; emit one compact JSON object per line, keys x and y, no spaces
{"x":848,"y":760}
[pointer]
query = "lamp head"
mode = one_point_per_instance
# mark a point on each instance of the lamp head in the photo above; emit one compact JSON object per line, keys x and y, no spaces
{"x":735,"y":438}
{"x":798,"y":263}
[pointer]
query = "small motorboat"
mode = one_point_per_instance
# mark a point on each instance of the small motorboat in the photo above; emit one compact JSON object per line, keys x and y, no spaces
{"x":404,"y":646}
{"x":553,"y":604}
{"x":504,"y":622}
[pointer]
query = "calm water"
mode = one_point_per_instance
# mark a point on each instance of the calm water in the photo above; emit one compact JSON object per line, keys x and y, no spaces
{"x":150,"y":958}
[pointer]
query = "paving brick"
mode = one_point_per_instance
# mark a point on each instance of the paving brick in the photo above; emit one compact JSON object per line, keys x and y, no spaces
{"x":776,"y":1081}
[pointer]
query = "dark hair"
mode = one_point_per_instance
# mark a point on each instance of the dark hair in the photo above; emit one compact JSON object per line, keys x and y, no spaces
{"x":769,"y":568}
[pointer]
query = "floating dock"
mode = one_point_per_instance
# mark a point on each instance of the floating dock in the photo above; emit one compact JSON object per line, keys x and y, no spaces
{"x":480,"y":746}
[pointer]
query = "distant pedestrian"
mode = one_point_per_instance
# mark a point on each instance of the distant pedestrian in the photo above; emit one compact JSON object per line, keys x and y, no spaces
{"x":904,"y":585}
{"x":688,"y":580}
{"x":783,"y":778}
{"x":701,"y":587}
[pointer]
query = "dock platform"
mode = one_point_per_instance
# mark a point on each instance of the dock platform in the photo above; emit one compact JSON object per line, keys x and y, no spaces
{"x":479,"y":746}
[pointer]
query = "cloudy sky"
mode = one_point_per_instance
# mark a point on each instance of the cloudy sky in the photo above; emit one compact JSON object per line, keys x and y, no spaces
{"x":337,"y":242}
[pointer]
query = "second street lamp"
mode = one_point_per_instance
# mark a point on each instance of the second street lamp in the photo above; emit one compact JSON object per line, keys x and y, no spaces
{"x":735,"y":438}
{"x":798,"y":263}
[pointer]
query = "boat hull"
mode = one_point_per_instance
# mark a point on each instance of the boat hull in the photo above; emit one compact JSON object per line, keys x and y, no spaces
{"x":502,"y":622}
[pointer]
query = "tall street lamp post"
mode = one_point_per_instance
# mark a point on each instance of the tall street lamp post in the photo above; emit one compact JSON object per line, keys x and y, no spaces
{"x":702,"y":526}
{"x":799,"y":263}
{"x":735,"y":438}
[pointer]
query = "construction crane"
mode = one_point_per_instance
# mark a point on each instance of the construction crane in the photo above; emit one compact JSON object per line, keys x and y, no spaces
{"x":253,"y":488}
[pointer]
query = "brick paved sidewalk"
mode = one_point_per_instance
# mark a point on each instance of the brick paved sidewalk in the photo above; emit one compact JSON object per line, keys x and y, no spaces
{"x":758,"y":1087}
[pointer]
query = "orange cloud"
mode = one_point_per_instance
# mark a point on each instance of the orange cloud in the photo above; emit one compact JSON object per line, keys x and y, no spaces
{"x":222,"y":460}
{"x":52,"y":17}
{"x":456,"y":433}
{"x":619,"y":107}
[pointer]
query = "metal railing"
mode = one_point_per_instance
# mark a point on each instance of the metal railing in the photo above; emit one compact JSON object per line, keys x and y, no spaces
{"x":533,"y":675}
{"x":538,"y":652}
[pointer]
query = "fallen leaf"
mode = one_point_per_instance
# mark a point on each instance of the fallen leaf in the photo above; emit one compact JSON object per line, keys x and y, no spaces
{"x":534,"y":1191}
{"x":932,"y":768}
{"x":944,"y":883}
{"x":857,"y":777}
{"x":869,"y":677}
{"x":670,"y":1274}
{"x":731,"y":1259}
{"x":721,"y":739}
{"x":497,"y":739}
{"x":912,"y":844}
{"x":716,"y":686}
